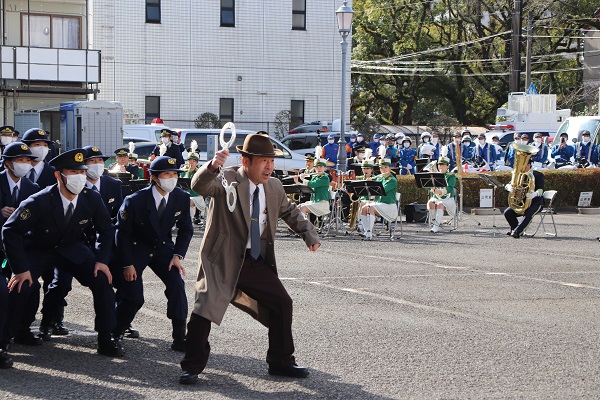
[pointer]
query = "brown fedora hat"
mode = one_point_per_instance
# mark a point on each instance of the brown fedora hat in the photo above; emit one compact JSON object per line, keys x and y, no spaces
{"x":258,"y":144}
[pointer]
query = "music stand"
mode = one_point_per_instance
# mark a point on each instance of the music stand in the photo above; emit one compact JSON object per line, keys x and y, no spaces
{"x":431,"y":180}
{"x":297,"y":188}
{"x":494,"y":183}
{"x":366,"y":188}
{"x":185,"y":183}
{"x":421,"y":163}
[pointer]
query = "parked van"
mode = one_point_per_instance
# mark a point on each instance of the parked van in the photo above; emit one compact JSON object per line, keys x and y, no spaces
{"x":289,"y":161}
{"x":150,"y":133}
{"x":573,"y":126}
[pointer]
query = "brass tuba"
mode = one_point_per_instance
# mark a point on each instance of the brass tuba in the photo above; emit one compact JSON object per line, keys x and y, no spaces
{"x":354,"y":209}
{"x":522,"y":181}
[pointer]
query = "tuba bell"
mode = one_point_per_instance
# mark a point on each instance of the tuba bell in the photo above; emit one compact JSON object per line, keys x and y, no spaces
{"x":522,"y":181}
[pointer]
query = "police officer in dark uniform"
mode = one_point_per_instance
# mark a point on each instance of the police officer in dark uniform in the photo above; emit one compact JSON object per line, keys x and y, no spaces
{"x":6,"y":136}
{"x":123,"y":165}
{"x":144,"y":227}
{"x":39,"y":141}
{"x":16,"y":160}
{"x":173,"y":150}
{"x":47,"y":230}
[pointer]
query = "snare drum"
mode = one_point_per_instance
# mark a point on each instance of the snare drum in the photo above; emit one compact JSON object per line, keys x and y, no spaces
{"x":334,"y":179}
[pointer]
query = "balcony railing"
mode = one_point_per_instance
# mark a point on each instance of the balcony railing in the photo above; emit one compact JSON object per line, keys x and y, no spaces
{"x":50,"y":65}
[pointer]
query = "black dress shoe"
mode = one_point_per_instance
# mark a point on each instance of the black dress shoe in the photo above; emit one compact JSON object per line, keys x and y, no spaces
{"x":292,"y":370}
{"x":178,"y":345}
{"x":132,"y":333}
{"x":110,"y":347}
{"x":59,"y":329}
{"x":188,"y":378}
{"x":516,"y":235}
{"x":45,"y":334}
{"x":5,"y":360}
{"x":28,"y":338}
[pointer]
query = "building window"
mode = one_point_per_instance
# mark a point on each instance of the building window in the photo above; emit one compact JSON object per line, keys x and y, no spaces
{"x":152,"y":108}
{"x":225,"y":110}
{"x":153,"y":11}
{"x":299,"y":15}
{"x":227,"y":12}
{"x":296,"y":113}
{"x":56,"y":31}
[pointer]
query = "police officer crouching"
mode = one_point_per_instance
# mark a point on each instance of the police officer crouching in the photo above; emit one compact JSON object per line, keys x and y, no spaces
{"x":144,"y":226}
{"x":47,"y":230}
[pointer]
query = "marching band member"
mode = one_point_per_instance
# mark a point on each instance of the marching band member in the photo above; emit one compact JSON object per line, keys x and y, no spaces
{"x":383,"y":205}
{"x":367,"y":167}
{"x":442,"y":198}
{"x":122,"y":164}
{"x":485,"y":151}
{"x":309,"y":164}
{"x":407,"y":158}
{"x":355,"y":162}
{"x":133,"y":161}
{"x":319,"y":203}
{"x":197,"y":203}
{"x":586,"y":149}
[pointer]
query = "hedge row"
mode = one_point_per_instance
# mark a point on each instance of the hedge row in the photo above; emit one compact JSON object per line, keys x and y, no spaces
{"x":568,"y":185}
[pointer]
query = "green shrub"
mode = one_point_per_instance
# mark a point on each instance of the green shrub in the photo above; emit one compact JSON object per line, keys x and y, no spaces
{"x":569,"y":184}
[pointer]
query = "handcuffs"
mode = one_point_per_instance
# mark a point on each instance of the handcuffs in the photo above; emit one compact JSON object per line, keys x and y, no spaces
{"x":230,"y":193}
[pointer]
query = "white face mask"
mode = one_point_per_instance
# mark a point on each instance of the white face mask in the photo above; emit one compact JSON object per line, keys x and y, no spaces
{"x":406,"y":145}
{"x":586,"y":139}
{"x":425,"y":140}
{"x":359,"y":139}
{"x":6,"y":140}
{"x":434,"y":140}
{"x":20,"y":169}
{"x":94,"y":171}
{"x":456,"y":140}
{"x":75,"y":183}
{"x":376,"y":140}
{"x":168,"y":184}
{"x":353,"y":140}
{"x":538,"y":140}
{"x":165,"y":140}
{"x":40,"y":152}
{"x":467,"y":143}
{"x":497,"y":143}
{"x":482,"y":143}
{"x":525,"y":141}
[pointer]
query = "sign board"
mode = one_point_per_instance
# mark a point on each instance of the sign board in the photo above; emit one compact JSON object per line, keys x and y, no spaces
{"x":486,"y":198}
{"x":585,"y":199}
{"x":212,"y":143}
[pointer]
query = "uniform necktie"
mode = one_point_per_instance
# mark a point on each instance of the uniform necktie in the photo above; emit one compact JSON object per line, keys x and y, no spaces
{"x":254,"y":227}
{"x":32,"y":175}
{"x":69,"y":213}
{"x":94,"y":188}
{"x":15,"y":196}
{"x":161,"y":208}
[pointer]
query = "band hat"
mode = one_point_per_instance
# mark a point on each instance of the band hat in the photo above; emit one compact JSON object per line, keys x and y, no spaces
{"x":17,"y":149}
{"x":123,"y":151}
{"x":309,"y":157}
{"x":132,"y":156}
{"x":258,"y":144}
{"x":321,"y":161}
{"x":72,"y":159}
{"x":93,"y":152}
{"x":367,"y":164}
{"x":193,"y":156}
{"x":385,"y":161}
{"x":35,"y":135}
{"x":7,"y":130}
{"x":360,"y":149}
{"x":443,"y":160}
{"x":164,"y":164}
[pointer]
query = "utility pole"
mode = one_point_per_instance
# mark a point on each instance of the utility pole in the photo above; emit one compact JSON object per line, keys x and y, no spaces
{"x":515,"y":47}
{"x":528,"y":52}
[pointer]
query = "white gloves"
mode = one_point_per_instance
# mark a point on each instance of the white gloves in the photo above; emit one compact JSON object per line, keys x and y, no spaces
{"x":532,"y":195}
{"x":409,"y":166}
{"x":508,"y":187}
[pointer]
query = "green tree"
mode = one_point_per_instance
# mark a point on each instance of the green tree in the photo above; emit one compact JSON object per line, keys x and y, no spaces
{"x":207,"y":120}
{"x":282,"y":123}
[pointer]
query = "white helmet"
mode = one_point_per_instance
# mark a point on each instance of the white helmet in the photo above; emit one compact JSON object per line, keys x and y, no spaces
{"x":425,"y":134}
{"x":399,"y":135}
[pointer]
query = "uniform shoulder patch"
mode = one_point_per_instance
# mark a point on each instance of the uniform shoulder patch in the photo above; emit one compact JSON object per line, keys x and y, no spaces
{"x":25,"y":214}
{"x":123,"y":215}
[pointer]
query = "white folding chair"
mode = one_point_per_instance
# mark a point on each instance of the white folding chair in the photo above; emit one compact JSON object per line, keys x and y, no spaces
{"x":548,"y":196}
{"x":390,"y":225}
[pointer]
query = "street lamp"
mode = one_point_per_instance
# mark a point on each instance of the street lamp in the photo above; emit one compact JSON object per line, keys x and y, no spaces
{"x":344,"y":16}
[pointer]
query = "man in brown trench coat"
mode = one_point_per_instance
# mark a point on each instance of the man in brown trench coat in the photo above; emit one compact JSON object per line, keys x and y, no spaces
{"x":234,"y":267}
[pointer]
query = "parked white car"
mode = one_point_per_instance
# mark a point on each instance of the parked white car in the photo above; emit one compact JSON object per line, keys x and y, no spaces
{"x":149,"y":132}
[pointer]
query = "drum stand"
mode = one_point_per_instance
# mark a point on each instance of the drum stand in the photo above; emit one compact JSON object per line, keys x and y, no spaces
{"x":460,"y":214}
{"x":335,"y":216}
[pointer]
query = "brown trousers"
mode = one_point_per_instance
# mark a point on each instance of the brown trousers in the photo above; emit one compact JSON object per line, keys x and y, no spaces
{"x":259,"y":282}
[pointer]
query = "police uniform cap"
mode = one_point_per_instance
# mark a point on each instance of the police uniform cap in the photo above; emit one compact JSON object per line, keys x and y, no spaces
{"x":585,"y":133}
{"x":167,"y":133}
{"x":164,"y":164}
{"x":456,"y":134}
{"x":481,"y":136}
{"x":7,"y":130}
{"x":123,"y":151}
{"x":331,"y":136}
{"x":93,"y":152}
{"x":353,"y":135}
{"x":538,"y":134}
{"x":524,"y":136}
{"x":376,"y":136}
{"x":17,"y":149}
{"x":360,"y":134}
{"x":72,"y":159}
{"x":36,"y":135}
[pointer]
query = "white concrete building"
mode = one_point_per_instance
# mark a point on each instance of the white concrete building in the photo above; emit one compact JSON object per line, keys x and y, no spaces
{"x":242,"y":60}
{"x":44,"y":61}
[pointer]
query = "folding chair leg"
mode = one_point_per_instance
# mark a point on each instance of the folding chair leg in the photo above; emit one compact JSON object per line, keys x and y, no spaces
{"x":555,"y":233}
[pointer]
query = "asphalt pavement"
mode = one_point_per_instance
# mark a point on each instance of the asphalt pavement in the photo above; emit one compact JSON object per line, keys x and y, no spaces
{"x":468,"y":314}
